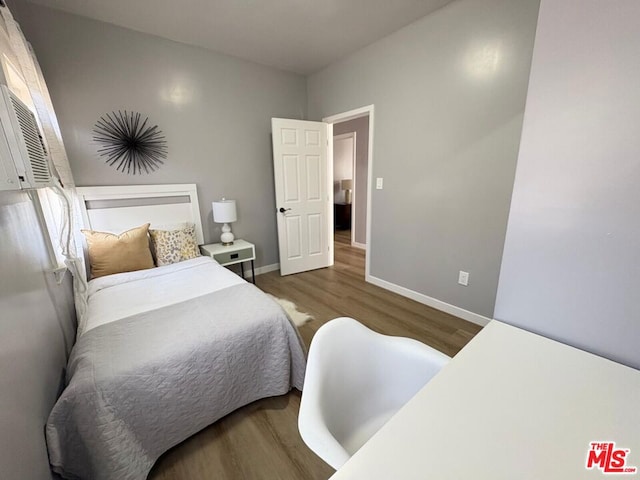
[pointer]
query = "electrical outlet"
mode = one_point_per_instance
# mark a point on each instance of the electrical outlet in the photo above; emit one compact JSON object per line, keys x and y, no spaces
{"x":379,"y":183}
{"x":463,"y":278}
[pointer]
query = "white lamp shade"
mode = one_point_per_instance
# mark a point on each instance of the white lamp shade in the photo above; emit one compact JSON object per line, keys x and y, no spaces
{"x":224,"y":211}
{"x":346,"y":184}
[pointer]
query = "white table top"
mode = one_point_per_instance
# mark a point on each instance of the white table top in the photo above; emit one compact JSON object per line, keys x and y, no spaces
{"x":215,"y":248}
{"x":511,"y":405}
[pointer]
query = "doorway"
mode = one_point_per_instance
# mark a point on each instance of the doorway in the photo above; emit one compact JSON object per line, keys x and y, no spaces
{"x":360,"y":121}
{"x":304,"y":150}
{"x":344,"y":182}
{"x":352,"y":218}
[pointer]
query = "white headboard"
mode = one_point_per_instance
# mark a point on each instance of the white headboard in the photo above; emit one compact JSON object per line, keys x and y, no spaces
{"x":118,"y":208}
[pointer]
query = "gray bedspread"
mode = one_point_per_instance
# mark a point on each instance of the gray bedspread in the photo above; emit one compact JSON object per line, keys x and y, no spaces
{"x":140,"y":385}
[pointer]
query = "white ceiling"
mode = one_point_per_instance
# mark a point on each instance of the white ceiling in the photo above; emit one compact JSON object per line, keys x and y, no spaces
{"x":301,"y":36}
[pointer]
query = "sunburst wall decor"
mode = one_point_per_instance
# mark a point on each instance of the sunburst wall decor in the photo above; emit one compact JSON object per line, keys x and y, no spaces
{"x":128,"y":143}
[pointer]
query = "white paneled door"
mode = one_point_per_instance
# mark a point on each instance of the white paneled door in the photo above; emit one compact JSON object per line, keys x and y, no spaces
{"x":302,"y":201}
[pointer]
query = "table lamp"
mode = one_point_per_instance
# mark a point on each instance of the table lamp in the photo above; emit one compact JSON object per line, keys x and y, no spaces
{"x":224,"y":211}
{"x":346,"y":185}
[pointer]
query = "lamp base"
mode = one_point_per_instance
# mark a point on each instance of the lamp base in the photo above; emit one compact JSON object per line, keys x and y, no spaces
{"x":227,"y":237}
{"x":347,"y":196}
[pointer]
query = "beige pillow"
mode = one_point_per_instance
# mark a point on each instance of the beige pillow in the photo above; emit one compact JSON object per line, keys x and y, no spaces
{"x":173,"y":246}
{"x":109,"y":253}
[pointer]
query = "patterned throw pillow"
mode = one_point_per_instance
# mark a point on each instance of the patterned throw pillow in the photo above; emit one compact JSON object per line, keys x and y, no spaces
{"x":173,"y":246}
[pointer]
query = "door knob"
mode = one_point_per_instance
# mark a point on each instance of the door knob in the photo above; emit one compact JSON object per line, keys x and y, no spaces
{"x":282,"y":210}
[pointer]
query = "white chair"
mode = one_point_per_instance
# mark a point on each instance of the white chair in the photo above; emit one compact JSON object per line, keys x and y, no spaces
{"x":356,"y":380}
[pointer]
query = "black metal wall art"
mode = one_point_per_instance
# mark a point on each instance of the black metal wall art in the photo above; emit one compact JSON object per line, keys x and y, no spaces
{"x":128,"y":143}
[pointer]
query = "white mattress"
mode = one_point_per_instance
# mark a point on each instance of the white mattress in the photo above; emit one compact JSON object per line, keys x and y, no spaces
{"x":122,"y":295}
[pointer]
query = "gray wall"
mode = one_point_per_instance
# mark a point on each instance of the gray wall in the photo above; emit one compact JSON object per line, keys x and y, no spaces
{"x":214,"y":109}
{"x":572,"y":253}
{"x":361,"y":127}
{"x":449,"y":94}
{"x":37,"y":328}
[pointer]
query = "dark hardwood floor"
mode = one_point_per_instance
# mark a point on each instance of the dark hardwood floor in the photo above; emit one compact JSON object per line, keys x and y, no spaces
{"x":261,"y":440}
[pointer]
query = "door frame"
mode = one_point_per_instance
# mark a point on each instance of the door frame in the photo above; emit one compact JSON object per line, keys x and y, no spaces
{"x":343,"y":117}
{"x":352,"y":135}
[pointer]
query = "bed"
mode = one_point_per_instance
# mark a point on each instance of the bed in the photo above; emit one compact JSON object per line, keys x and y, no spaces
{"x":163,"y":352}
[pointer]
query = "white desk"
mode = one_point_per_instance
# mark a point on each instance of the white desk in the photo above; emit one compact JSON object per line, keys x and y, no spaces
{"x":511,"y":405}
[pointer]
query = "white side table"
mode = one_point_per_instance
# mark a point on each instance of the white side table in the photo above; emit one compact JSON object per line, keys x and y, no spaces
{"x":241,"y":251}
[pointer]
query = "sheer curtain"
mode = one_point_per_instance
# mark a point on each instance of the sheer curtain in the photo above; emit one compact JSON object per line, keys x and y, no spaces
{"x":59,"y":204}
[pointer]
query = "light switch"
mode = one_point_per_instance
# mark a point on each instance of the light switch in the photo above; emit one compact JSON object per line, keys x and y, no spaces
{"x":379,"y":183}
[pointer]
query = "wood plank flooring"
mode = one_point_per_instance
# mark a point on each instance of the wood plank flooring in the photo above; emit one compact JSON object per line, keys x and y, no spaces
{"x":261,"y":440}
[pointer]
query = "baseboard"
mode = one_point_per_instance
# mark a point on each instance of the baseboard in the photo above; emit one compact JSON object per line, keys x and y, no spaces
{"x":261,"y":270}
{"x":359,"y":245}
{"x":432,"y":302}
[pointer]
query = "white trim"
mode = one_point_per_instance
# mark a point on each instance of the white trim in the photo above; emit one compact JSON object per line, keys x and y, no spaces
{"x":330,"y":219}
{"x":362,"y":246}
{"x":344,"y":135}
{"x":349,"y":115}
{"x":369,"y":110}
{"x":260,"y":270}
{"x":430,"y":301}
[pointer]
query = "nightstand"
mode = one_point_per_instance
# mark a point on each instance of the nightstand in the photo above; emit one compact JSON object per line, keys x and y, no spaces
{"x":241,"y":251}
{"x":342,"y":216}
